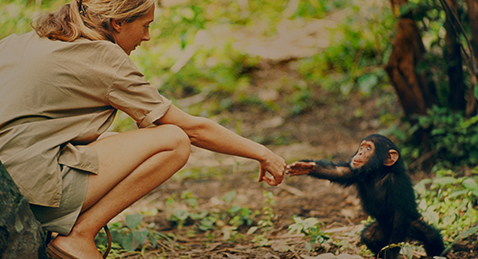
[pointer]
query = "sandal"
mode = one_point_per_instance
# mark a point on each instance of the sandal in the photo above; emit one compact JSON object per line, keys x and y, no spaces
{"x":54,"y":251}
{"x":108,"y":234}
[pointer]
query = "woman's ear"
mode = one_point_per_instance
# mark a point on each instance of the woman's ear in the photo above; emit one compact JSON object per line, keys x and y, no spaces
{"x":117,"y":25}
{"x":392,"y":157}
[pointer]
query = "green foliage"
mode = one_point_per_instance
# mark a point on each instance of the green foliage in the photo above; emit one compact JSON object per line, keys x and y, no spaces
{"x":355,"y":61}
{"x":267,"y":215}
{"x":16,"y":15}
{"x":317,"y":8}
{"x":131,"y":236}
{"x":310,"y":227}
{"x":449,"y":202}
{"x":223,"y":221}
{"x":463,"y":235}
{"x":453,"y":138}
{"x":222,"y":74}
{"x":301,"y":99}
{"x":227,"y":220}
{"x":430,"y":16}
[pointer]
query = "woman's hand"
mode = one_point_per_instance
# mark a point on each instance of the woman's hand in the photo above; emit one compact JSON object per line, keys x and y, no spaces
{"x":275,"y":165}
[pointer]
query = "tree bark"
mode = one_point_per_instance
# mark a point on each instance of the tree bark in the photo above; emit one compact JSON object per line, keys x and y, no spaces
{"x":471,"y":105}
{"x":409,"y":76}
{"x":452,"y":53}
{"x":414,"y":85}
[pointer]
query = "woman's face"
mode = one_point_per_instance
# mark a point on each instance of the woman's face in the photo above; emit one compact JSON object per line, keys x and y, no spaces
{"x":130,"y":35}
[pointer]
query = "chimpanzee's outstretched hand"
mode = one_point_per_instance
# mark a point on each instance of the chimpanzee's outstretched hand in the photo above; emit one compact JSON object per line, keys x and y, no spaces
{"x":298,"y":168}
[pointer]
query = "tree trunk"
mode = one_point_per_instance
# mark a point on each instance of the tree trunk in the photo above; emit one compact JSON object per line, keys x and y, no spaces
{"x":410,"y":78}
{"x":21,"y":235}
{"x":414,"y":86}
{"x":456,"y":97}
{"x":471,"y":105}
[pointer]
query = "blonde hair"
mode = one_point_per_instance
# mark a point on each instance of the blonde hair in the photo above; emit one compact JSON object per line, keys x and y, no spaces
{"x":90,"y":19}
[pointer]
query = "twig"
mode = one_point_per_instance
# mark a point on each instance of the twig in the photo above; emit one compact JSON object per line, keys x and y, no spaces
{"x":343,"y":229}
{"x":291,"y":189}
{"x":186,"y":102}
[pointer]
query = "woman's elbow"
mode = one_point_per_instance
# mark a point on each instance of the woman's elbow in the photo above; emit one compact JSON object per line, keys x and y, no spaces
{"x":198,"y":128}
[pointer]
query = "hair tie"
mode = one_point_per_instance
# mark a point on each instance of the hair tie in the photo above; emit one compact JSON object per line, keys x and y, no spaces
{"x":82,"y":8}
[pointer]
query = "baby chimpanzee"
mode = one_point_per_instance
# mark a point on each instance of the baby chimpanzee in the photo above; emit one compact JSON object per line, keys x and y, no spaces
{"x":386,"y":192}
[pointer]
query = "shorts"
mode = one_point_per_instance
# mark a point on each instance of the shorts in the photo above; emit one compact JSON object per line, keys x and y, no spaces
{"x":62,"y":219}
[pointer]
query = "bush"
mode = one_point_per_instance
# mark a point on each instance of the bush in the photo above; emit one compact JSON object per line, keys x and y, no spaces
{"x":453,"y":138}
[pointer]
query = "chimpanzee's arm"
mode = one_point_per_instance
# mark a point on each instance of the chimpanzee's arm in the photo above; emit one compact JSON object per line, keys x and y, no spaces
{"x":401,"y":202}
{"x":324,"y":169}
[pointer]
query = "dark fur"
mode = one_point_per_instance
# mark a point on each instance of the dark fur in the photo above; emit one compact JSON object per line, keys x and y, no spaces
{"x":387,"y":195}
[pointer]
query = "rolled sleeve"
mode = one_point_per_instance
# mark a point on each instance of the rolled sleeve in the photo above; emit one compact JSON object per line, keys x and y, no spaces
{"x":134,"y":95}
{"x":155,"y":114}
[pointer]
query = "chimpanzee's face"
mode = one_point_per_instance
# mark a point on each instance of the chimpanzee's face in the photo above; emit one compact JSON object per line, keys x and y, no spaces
{"x":363,"y":155}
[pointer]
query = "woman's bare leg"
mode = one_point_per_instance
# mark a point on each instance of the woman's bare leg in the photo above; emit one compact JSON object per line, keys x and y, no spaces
{"x":131,"y":165}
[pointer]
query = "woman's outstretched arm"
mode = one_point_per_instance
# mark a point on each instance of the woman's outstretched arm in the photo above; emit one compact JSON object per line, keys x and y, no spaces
{"x":208,"y":134}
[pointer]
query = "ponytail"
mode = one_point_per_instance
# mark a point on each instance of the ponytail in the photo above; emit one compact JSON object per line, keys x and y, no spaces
{"x":90,"y":20}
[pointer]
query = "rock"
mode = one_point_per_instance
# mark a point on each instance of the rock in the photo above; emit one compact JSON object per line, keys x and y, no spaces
{"x":21,"y":235}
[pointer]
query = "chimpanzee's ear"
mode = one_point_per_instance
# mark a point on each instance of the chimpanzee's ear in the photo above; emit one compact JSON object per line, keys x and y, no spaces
{"x":392,"y":157}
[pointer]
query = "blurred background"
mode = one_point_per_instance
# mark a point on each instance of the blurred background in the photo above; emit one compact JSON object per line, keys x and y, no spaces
{"x":309,"y":79}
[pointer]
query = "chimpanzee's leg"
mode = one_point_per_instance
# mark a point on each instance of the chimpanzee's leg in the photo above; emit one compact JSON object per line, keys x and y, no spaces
{"x":373,"y":237}
{"x":376,"y":238}
{"x":431,"y":238}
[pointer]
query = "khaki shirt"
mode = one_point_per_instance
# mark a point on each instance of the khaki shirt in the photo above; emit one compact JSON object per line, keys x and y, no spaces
{"x":55,"y":98}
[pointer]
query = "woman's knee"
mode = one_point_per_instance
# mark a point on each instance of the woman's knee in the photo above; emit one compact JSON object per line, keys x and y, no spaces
{"x":178,"y":139}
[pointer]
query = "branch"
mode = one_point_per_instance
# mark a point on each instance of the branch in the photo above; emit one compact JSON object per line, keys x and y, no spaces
{"x":451,"y":14}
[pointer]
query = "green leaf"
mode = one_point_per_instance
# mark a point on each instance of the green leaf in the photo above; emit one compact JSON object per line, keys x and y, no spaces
{"x":198,"y":216}
{"x":407,"y":251}
{"x":442,"y":181}
{"x":295,"y":228}
{"x":181,"y":214}
{"x":423,"y":205}
{"x":207,"y":223}
{"x":153,"y":239}
{"x":129,"y":243}
{"x":420,"y":187}
{"x":234,"y":209}
{"x":457,"y":193}
{"x":476,"y":91}
{"x":133,"y":221}
{"x":192,"y":201}
{"x":470,"y":184}
{"x":448,"y":219}
{"x":140,"y":235}
{"x":469,"y":122}
{"x":431,"y":216}
{"x":310,"y":223}
{"x":252,"y":230}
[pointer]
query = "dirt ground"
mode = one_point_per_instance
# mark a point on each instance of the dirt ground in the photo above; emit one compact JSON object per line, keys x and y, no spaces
{"x":318,"y":133}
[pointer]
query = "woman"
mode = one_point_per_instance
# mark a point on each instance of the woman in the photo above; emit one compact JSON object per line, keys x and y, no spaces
{"x":60,"y":87}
